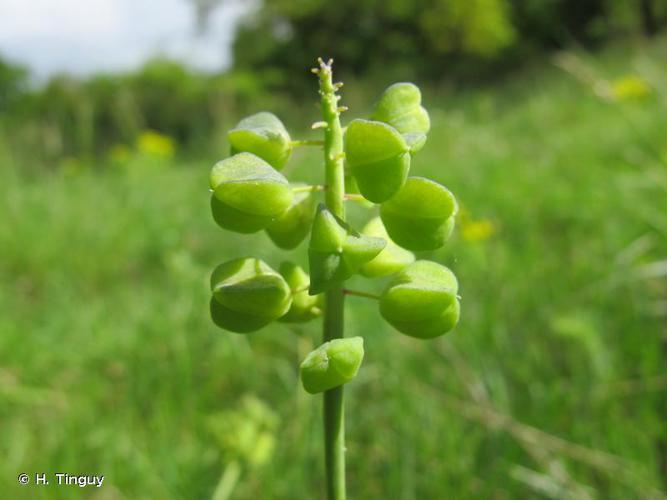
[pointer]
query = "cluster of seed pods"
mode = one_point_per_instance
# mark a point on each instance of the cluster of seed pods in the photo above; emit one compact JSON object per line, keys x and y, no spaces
{"x":250,"y":194}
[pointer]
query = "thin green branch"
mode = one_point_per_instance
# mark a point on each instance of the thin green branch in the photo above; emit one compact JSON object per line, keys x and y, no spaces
{"x":306,"y":142}
{"x":318,"y":188}
{"x":312,"y":188}
{"x":228,"y":481}
{"x":355,"y":197}
{"x":357,"y":293}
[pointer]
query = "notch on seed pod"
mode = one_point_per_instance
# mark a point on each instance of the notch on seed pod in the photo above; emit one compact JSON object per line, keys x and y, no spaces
{"x":292,"y":227}
{"x":332,"y":364}
{"x":421,"y":300}
{"x":247,"y":295}
{"x":421,"y":216}
{"x":264,"y":135}
{"x":400,"y":106}
{"x":248,"y":194}
{"x":378,"y":158}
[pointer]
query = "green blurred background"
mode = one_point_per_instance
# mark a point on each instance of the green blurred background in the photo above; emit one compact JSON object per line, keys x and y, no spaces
{"x":549,"y":124}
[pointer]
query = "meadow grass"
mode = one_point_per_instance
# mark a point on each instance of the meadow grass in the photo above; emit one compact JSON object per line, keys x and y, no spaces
{"x":553,"y":385}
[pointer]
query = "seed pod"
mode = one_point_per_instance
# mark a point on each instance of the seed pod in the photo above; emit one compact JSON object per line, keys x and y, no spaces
{"x":400,"y":106}
{"x":264,"y":135}
{"x":247,"y":295}
{"x":377,"y":156}
{"x":332,"y":364}
{"x":336,"y":251}
{"x":304,"y":307}
{"x":421,"y":301}
{"x":421,"y":215}
{"x":290,"y":228}
{"x":390,"y":260}
{"x":351,"y":186}
{"x":248,"y":195}
{"x":415,"y":141}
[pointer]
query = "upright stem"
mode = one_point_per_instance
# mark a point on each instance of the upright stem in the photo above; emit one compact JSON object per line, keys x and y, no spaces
{"x":334,"y":412}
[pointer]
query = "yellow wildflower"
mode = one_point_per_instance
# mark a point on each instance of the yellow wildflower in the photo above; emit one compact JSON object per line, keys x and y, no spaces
{"x":630,"y":87}
{"x":155,"y":144}
{"x":478,"y":230}
{"x":475,"y":230}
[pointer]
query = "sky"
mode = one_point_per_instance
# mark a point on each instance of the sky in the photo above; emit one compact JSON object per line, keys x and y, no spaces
{"x":85,"y":36}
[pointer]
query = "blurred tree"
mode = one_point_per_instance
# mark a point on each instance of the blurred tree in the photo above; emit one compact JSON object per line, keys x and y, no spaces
{"x":13,"y":83}
{"x":648,"y":16}
{"x":555,"y":23}
{"x":166,"y":92}
{"x":372,"y":35}
{"x":429,"y":38}
{"x":73,"y":117}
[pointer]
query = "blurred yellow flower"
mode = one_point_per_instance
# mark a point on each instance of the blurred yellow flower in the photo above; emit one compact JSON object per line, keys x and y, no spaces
{"x":155,"y":144}
{"x":478,"y":230}
{"x":474,"y":230}
{"x":630,"y":87}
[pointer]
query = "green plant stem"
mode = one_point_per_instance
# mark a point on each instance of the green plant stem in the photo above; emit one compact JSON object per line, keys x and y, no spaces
{"x":355,"y":197}
{"x":334,"y":408}
{"x":228,"y":481}
{"x":307,"y":143}
{"x":313,"y":188}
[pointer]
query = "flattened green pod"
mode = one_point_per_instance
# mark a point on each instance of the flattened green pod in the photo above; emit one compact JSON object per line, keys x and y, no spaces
{"x":264,"y":135}
{"x":390,"y":260}
{"x":290,"y":228}
{"x":247,"y":295}
{"x":415,"y":141}
{"x":248,"y":194}
{"x":304,"y":307}
{"x":332,"y":364}
{"x":421,"y":300}
{"x":377,"y":156}
{"x":351,"y":186}
{"x":336,"y":251}
{"x":421,"y":216}
{"x":400,"y":106}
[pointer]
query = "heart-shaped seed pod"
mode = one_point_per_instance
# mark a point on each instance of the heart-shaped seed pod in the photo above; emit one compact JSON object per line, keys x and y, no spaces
{"x":390,"y":260}
{"x":400,"y":106}
{"x":248,"y":194}
{"x":421,"y":301}
{"x":304,"y":307}
{"x":264,"y":135}
{"x":377,"y":156}
{"x":247,"y":295}
{"x":332,"y":364}
{"x":336,"y":251}
{"x":290,"y":228}
{"x":421,"y":216}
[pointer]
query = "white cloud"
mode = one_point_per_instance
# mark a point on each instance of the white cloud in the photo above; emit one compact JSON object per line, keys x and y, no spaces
{"x":83,"y":36}
{"x":52,"y":18}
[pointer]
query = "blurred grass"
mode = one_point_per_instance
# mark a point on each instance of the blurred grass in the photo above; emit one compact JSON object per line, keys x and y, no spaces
{"x":554,"y":384}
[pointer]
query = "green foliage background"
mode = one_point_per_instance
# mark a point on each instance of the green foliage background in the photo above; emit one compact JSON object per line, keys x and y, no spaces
{"x":553,"y":386}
